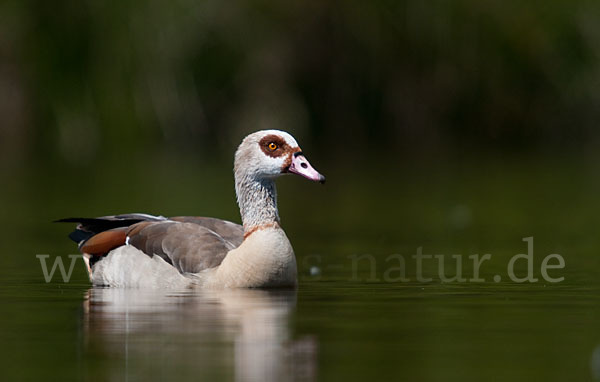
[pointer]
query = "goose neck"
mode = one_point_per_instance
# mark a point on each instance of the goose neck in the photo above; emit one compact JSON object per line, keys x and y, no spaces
{"x":257,"y":199}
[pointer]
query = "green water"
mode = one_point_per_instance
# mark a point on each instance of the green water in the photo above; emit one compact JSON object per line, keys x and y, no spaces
{"x":347,"y":320}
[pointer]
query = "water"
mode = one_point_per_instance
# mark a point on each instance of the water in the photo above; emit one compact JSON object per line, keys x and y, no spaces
{"x":326,"y":331}
{"x":345,"y":321}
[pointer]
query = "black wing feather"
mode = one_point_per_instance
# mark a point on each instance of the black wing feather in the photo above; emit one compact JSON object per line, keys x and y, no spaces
{"x":88,"y":227}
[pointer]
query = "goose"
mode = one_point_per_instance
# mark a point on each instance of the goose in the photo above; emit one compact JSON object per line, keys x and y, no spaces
{"x":144,"y":251}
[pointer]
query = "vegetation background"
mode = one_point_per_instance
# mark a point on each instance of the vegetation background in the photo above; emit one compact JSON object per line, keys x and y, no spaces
{"x":463,"y":125}
{"x":83,"y":81}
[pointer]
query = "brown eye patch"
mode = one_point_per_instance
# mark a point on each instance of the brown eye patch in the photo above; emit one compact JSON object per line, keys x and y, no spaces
{"x":273,"y":145}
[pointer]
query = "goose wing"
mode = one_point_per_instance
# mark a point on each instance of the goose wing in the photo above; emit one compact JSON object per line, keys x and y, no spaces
{"x":191,"y":244}
{"x":189,"y":247}
{"x":232,"y":232}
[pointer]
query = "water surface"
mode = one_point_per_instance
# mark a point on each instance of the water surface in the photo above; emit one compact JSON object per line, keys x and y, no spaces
{"x":346,"y":321}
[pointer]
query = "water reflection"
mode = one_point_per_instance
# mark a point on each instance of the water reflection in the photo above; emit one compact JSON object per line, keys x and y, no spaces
{"x":241,"y":334}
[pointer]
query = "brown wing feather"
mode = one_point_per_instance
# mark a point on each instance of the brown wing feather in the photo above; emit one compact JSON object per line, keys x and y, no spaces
{"x":103,"y":242}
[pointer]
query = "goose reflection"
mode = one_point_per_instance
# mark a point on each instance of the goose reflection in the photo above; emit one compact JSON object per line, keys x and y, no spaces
{"x":231,"y":334}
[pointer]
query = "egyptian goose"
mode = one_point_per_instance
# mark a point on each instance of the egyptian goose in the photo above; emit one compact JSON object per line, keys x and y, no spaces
{"x":140,"y":250}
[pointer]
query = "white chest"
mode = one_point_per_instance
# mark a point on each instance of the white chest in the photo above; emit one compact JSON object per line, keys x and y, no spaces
{"x":264,"y":259}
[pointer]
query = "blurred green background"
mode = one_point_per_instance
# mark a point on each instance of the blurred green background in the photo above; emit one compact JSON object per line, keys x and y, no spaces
{"x":463,"y":124}
{"x":459,"y":126}
{"x":83,"y":81}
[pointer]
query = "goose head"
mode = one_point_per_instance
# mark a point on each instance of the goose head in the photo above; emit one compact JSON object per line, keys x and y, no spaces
{"x":268,"y":154}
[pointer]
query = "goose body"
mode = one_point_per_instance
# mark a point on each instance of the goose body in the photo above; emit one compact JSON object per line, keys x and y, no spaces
{"x":145,"y":251}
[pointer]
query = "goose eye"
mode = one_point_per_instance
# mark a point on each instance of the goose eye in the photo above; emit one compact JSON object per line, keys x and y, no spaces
{"x":272,"y":146}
